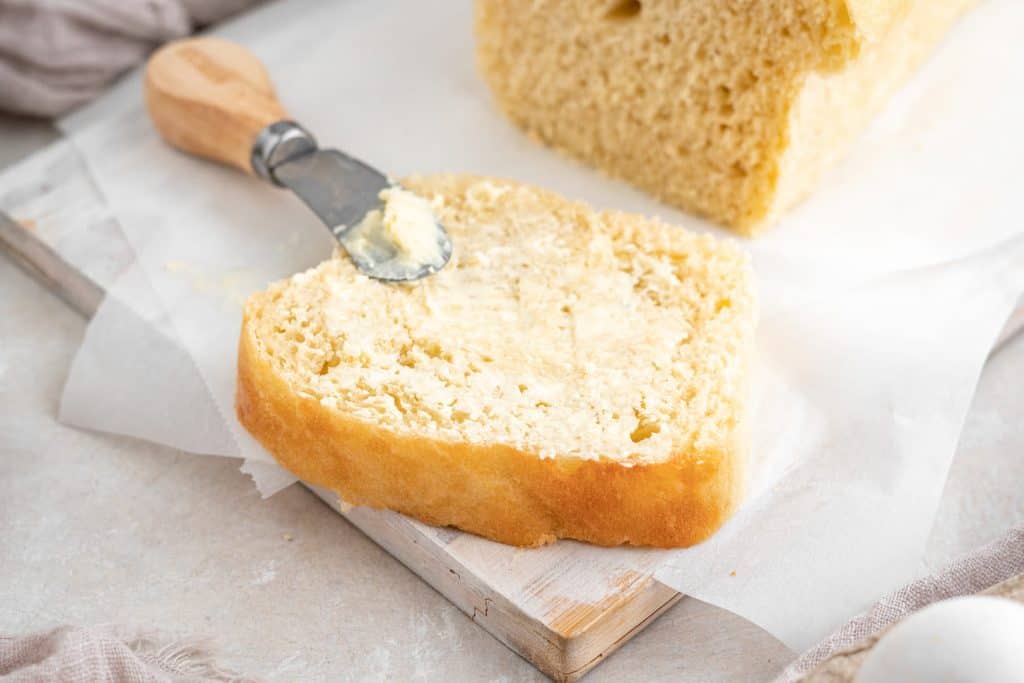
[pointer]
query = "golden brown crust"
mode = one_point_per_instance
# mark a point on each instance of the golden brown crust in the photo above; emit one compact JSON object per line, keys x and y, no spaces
{"x":492,"y":490}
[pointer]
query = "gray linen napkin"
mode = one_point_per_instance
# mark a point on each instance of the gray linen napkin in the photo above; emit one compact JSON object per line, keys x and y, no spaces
{"x":108,"y":653}
{"x":57,"y":54}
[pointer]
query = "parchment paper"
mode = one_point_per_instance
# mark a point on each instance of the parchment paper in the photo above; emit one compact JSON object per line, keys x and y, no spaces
{"x":881,"y":295}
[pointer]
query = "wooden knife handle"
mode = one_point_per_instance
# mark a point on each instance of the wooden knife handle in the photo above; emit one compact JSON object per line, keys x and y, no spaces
{"x":210,"y":97}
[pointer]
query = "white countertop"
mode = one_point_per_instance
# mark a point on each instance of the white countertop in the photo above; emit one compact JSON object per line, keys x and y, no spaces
{"x":81,"y":544}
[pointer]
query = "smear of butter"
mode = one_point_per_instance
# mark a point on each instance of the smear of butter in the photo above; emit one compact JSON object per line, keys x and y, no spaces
{"x":404,"y":230}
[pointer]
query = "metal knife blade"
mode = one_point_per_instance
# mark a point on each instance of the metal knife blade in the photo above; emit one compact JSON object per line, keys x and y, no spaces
{"x":340,"y":190}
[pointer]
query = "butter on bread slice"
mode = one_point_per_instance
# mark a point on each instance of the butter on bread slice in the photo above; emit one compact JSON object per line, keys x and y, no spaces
{"x":569,"y":374}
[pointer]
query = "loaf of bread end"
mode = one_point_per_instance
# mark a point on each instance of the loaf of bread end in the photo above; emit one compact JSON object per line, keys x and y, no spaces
{"x":728,"y":109}
{"x":569,"y":374}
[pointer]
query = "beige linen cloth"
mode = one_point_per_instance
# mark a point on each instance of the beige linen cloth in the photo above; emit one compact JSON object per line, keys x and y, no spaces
{"x":992,"y":564}
{"x":109,"y":654}
{"x":57,"y":54}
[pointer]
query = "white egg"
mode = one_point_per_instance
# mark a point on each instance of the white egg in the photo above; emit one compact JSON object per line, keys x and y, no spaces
{"x":962,"y":640}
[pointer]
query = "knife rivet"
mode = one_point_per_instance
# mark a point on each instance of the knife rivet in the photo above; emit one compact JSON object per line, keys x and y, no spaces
{"x":279,"y":142}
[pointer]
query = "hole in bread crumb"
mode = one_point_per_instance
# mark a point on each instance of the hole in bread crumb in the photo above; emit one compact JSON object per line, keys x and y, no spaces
{"x":624,"y":9}
{"x":722,"y":304}
{"x":330,"y":363}
{"x":644,"y":430}
{"x":399,"y":405}
{"x":433,"y":349}
{"x":522,"y":388}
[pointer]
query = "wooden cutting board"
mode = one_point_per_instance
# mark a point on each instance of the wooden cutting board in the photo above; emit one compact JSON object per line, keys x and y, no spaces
{"x":562,"y":614}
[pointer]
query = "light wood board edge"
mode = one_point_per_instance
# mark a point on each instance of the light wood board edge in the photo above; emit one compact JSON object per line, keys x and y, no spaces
{"x":563,"y":657}
{"x":43,"y":263}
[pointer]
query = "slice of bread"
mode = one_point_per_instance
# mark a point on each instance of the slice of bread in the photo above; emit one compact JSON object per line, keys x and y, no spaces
{"x":731,"y":110}
{"x":569,"y":374}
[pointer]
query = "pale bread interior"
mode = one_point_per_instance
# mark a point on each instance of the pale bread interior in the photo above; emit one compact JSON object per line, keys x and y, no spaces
{"x":729,"y":110}
{"x":555,"y":329}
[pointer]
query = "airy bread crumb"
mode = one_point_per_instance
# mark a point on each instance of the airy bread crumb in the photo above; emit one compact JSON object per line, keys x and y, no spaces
{"x":601,"y":352}
{"x":729,"y":110}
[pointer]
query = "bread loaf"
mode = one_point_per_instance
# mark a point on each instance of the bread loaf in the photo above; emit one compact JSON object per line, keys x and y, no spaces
{"x":728,"y":109}
{"x":569,"y":374}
